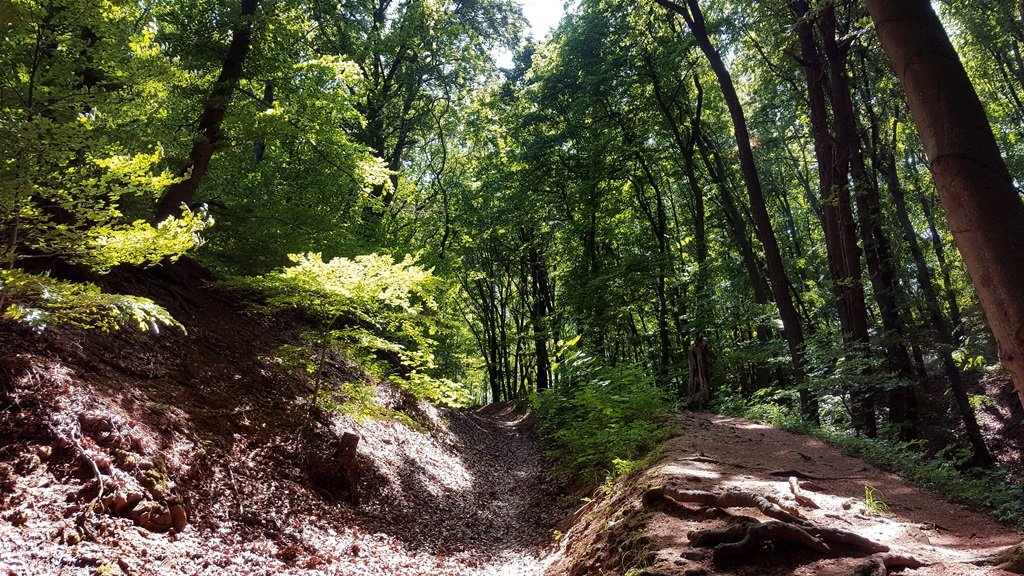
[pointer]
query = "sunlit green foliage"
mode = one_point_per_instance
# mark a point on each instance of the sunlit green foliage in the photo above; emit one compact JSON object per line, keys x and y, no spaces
{"x":40,"y":301}
{"x":599,"y":419}
{"x":79,"y":165}
{"x":378,"y":312}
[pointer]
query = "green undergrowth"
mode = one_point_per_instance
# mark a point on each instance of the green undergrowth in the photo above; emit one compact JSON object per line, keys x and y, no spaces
{"x":994,"y":491}
{"x":600,"y":422}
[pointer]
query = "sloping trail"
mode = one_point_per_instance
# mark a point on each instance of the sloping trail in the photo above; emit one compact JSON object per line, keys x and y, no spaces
{"x":471,"y":496}
{"x":463,"y":493}
{"x":718,"y":454}
{"x":512,"y":508}
{"x":484,"y":505}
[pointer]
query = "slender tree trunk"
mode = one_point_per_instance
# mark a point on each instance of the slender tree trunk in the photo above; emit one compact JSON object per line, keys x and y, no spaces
{"x":945,"y":337}
{"x":539,"y":309}
{"x":489,"y":340}
{"x":734,"y":218}
{"x":214,"y":109}
{"x":947,"y":280}
{"x":738,"y":228}
{"x":259,"y":149}
{"x":791,"y":327}
{"x":882,"y":271}
{"x":902,"y":401}
{"x":833,"y":151}
{"x":659,"y":227}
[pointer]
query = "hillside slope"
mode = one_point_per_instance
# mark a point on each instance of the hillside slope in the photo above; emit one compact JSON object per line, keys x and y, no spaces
{"x":199,"y":453}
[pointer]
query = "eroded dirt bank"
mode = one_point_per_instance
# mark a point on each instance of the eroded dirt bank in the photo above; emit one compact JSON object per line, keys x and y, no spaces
{"x":199,"y":453}
{"x":717,"y":454}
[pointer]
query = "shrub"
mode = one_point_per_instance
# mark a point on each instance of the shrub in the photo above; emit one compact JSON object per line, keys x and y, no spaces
{"x":379,"y":313}
{"x":598,"y":420}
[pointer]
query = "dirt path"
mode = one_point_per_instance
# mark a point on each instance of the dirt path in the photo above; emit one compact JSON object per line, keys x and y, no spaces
{"x":466,"y":493}
{"x":483,"y":505}
{"x":718,"y":454}
{"x":508,"y":516}
{"x":449,"y":494}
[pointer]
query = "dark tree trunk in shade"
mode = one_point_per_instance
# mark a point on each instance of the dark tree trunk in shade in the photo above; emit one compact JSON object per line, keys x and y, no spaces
{"x":947,"y":280}
{"x":541,"y":308}
{"x":214,"y":109}
{"x":259,"y":149}
{"x":939,"y":322}
{"x":827,"y":83}
{"x":882,"y":271}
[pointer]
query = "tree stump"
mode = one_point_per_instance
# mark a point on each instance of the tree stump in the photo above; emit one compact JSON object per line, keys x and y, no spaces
{"x":345,"y":459}
{"x":699,"y":383}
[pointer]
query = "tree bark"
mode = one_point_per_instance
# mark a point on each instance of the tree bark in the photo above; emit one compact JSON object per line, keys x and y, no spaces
{"x":833,"y":148}
{"x":902,"y":400}
{"x":778,"y":281}
{"x":540,"y":309}
{"x":940,"y":257}
{"x":985,"y":213}
{"x":214,"y":109}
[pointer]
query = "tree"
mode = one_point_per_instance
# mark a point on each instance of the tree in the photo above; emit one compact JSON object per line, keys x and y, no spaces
{"x":776,"y":269}
{"x":79,"y":164}
{"x":214,"y":109}
{"x":417,"y":60}
{"x":985,"y":212}
{"x":834,"y":145}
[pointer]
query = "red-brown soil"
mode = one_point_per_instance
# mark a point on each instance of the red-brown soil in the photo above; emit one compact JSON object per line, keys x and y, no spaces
{"x":718,"y":454}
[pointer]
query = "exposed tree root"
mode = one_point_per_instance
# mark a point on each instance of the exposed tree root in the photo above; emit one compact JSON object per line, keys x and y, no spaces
{"x":740,"y":539}
{"x":880,"y":564}
{"x":851,"y":539}
{"x":1010,"y":559}
{"x":797,"y":473}
{"x":801,"y":498}
{"x":745,"y":537}
{"x":724,"y":500}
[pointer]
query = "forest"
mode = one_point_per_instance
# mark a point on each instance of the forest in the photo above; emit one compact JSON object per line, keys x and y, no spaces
{"x":383,"y":250}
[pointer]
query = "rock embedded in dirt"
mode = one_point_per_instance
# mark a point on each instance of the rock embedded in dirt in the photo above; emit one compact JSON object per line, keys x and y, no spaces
{"x":694,"y":555}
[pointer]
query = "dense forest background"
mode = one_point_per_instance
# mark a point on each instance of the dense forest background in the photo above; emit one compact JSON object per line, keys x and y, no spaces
{"x":660,"y":203}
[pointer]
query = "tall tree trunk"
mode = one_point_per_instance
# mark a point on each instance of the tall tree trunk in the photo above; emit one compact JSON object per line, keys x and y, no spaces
{"x":902,"y":401}
{"x":738,"y":228}
{"x":882,"y":270}
{"x":833,"y":149}
{"x":947,"y":280}
{"x":540,"y":308}
{"x":214,"y":109}
{"x":791,"y":327}
{"x":734,"y":218}
{"x":945,"y":337}
{"x":659,"y":227}
{"x":984,"y":210}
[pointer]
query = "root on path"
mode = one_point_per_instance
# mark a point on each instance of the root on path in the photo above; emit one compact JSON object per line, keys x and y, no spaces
{"x":880,"y":564}
{"x":746,"y":537}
